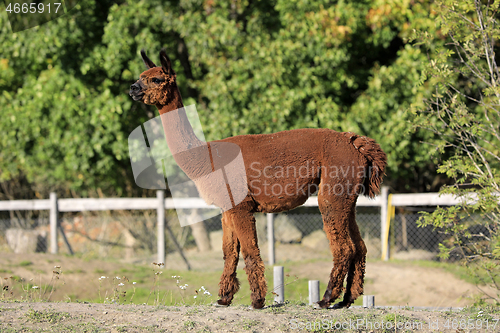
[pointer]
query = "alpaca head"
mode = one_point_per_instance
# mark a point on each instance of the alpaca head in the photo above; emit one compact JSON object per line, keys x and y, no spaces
{"x":156,"y":84}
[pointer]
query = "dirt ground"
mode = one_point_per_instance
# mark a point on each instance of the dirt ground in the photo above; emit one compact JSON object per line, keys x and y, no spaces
{"x":393,"y":284}
{"x":81,"y":317}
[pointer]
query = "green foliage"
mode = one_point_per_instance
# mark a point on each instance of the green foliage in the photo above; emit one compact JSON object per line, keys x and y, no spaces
{"x":250,"y":67}
{"x":464,"y":112}
{"x":63,"y":129}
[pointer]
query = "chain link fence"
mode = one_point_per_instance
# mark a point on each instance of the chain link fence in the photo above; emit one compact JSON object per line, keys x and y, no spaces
{"x":132,"y":235}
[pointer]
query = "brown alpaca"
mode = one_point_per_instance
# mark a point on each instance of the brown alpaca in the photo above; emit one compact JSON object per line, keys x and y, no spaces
{"x":282,"y":170}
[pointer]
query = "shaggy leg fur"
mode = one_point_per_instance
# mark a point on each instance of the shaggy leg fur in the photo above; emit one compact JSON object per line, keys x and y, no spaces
{"x":244,"y":226}
{"x":229,"y":283}
{"x":355,"y":277}
{"x":337,"y":212}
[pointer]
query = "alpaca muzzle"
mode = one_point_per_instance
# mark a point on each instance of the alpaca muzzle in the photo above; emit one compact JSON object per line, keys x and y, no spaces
{"x":136,"y":91}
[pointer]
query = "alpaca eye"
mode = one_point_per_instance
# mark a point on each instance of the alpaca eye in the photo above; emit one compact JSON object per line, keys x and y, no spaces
{"x":156,"y":80}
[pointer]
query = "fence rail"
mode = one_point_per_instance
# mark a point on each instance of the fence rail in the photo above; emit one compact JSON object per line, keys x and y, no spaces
{"x":92,"y":204}
{"x":385,"y":202}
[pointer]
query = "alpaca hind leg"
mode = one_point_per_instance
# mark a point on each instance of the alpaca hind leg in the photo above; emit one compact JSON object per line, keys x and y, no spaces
{"x":229,"y":284}
{"x":336,"y":226}
{"x":244,"y":225}
{"x":355,"y":277}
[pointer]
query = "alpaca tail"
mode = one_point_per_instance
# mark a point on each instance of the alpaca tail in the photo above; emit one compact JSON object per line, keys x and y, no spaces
{"x":377,"y":161}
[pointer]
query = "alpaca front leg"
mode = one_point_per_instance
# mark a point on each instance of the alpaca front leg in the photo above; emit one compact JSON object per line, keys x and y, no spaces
{"x":254,"y":266}
{"x":229,"y":284}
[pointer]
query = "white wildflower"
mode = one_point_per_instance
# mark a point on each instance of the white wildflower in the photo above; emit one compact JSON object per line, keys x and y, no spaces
{"x":121,"y":284}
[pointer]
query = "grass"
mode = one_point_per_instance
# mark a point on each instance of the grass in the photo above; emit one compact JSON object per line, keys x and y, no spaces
{"x":248,"y":324}
{"x":168,"y":289}
{"x":25,"y":263}
{"x":189,"y":324}
{"x":155,"y":285}
{"x":47,"y":316}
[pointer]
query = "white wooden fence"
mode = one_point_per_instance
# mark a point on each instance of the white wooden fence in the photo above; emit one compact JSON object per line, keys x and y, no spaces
{"x":385,"y":201}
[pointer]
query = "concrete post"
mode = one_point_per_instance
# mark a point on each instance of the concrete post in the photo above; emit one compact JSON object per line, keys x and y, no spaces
{"x":313,"y":291}
{"x":368,"y":301}
{"x":279,"y":284}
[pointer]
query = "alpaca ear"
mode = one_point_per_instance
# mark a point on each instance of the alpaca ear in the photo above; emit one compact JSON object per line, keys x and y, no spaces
{"x":149,"y":64}
{"x":166,"y":65}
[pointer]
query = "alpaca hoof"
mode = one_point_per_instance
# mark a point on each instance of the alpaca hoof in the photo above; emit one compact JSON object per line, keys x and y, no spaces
{"x":321,"y":305}
{"x":316,"y":306}
{"x":220,"y":304}
{"x":252,"y":308}
{"x":258,"y":304}
{"x":340,"y":305}
{"x":336,"y":306}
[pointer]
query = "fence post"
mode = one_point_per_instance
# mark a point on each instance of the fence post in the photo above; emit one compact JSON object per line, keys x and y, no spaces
{"x":384,"y":194}
{"x":279,"y":284}
{"x":313,"y":291}
{"x":270,"y":238}
{"x":53,"y":222}
{"x":160,"y":213}
{"x":368,"y":301}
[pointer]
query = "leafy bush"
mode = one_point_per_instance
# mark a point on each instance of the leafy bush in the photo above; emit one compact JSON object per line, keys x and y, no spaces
{"x":464,"y":112}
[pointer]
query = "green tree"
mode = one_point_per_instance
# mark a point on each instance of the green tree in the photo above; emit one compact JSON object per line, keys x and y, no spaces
{"x":249,"y":66}
{"x":343,"y":66}
{"x":63,"y":124}
{"x":464,"y":111}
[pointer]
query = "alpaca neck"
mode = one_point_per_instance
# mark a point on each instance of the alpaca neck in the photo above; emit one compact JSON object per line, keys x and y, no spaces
{"x":181,"y":138}
{"x":173,"y":103}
